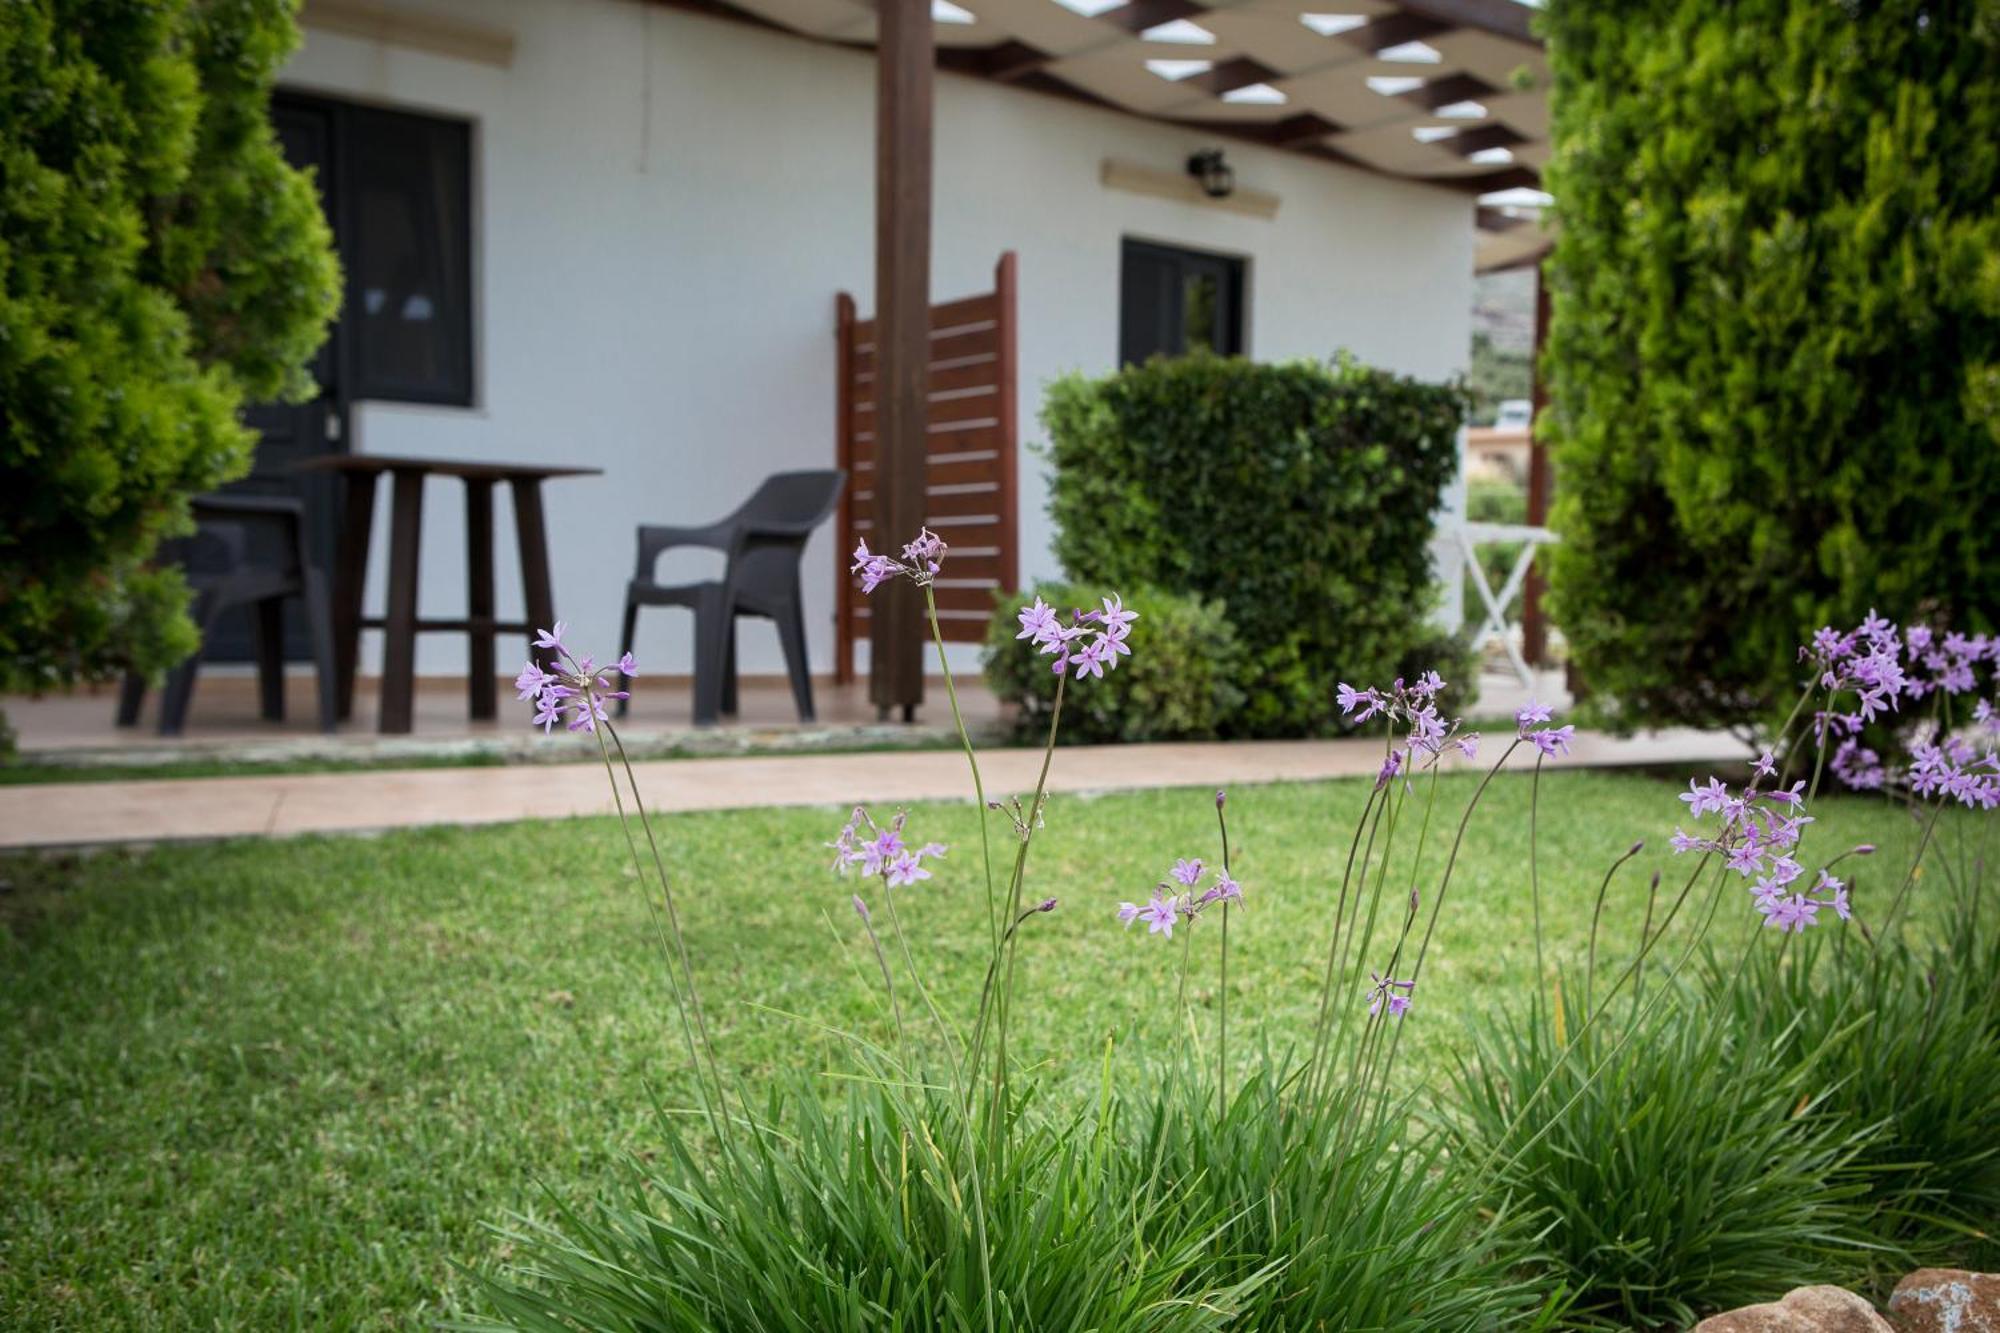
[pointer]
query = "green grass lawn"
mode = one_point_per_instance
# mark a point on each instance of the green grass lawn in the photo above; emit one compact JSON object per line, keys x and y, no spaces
{"x":268,"y":1085}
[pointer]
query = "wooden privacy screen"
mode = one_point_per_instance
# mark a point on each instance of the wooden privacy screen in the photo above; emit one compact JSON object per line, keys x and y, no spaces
{"x":970,"y":479}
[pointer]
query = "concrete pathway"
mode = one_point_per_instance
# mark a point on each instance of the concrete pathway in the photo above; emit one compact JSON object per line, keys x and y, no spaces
{"x":83,"y":814}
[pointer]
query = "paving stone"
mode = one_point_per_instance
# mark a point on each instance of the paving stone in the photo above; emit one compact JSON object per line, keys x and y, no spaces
{"x":1803,"y":1310}
{"x":1947,"y":1300}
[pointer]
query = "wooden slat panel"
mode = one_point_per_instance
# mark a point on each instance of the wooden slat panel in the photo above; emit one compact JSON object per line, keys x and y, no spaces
{"x":952,"y":345}
{"x":945,"y":316}
{"x":946,"y":437}
{"x":970,"y":465}
{"x":946,"y":380}
{"x":945,"y":470}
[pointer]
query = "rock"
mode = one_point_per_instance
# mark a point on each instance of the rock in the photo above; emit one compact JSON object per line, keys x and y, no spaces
{"x":1947,"y":1300}
{"x":1804,"y":1310}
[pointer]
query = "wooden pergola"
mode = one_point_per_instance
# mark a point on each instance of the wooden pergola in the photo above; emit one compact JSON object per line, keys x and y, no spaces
{"x":1452,"y":93}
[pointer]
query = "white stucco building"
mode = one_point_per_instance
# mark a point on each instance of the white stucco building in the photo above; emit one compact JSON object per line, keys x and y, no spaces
{"x":611,"y":233}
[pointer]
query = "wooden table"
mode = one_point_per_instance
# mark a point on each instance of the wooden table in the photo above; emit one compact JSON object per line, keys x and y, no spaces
{"x":359,"y":474}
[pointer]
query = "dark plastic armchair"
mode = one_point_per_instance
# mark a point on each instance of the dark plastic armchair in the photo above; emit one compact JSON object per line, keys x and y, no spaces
{"x":764,"y":541}
{"x":246,"y":551}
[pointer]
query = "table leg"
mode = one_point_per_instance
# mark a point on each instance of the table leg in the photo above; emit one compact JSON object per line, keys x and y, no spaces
{"x":399,"y":652}
{"x":482,"y":695}
{"x":532,"y":534}
{"x":350,"y":575}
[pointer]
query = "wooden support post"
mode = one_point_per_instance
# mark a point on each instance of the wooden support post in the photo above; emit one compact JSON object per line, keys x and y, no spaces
{"x":905,"y":60}
{"x":1534,"y":625}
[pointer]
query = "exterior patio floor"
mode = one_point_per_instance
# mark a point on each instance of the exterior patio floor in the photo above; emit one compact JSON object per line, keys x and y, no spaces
{"x":76,"y":729}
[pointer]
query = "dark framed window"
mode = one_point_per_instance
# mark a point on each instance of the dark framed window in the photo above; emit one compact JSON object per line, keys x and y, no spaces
{"x":397,"y":186}
{"x":1174,"y":301}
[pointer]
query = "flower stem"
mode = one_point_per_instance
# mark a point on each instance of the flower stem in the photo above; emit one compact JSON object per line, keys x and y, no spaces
{"x":971,"y":760}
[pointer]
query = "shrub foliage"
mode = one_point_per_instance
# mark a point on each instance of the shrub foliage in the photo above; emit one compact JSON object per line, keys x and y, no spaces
{"x":1775,"y":350}
{"x":1301,"y":497}
{"x":160,"y":265}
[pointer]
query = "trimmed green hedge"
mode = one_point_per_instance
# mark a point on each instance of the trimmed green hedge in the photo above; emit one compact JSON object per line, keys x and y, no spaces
{"x":1177,"y":684}
{"x":1299,"y":497}
{"x":1774,"y":359}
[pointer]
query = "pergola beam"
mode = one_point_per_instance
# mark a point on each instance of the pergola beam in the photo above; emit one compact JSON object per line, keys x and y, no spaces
{"x":906,"y":59}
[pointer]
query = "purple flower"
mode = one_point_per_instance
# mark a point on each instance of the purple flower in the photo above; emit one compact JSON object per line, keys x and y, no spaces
{"x":1766,"y":765}
{"x":1117,"y":621}
{"x":1792,"y":913}
{"x":881,"y":851}
{"x":1528,"y":714}
{"x":1350,"y":699}
{"x":1468,"y":744}
{"x":1038,"y":622}
{"x":575,"y":686}
{"x":1227,"y":889}
{"x":1397,"y":993}
{"x":532,"y":681}
{"x":874,"y":570}
{"x":1702,"y":800}
{"x":628,"y":665}
{"x":1128,"y":913}
{"x":1391,"y":766}
{"x":1186,"y":871}
{"x":1090,"y":661}
{"x":1552,"y":741}
{"x":1159,"y":914}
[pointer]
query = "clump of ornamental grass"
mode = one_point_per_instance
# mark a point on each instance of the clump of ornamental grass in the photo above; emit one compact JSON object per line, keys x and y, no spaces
{"x":937,"y":1190}
{"x":1750,"y":1124}
{"x":1910,"y":1040}
{"x":1680,"y":1172}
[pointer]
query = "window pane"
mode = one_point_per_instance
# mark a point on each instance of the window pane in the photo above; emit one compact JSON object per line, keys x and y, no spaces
{"x":407,"y":256}
{"x":1199,"y":293}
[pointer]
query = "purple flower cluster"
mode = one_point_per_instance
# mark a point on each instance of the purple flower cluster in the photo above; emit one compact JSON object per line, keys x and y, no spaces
{"x":1551,"y":741}
{"x":882,"y":852}
{"x":1759,"y":833}
{"x":1170,"y":904}
{"x":1090,"y":642}
{"x":1414,"y":706}
{"x":1396,"y":993}
{"x":921,"y":561}
{"x":1881,"y":666}
{"x":577,"y":686}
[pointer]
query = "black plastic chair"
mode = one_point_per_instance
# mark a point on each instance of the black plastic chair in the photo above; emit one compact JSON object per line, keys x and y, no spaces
{"x":765,"y":541}
{"x":246,"y":551}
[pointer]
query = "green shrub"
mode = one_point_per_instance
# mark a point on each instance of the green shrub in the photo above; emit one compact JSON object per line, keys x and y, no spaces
{"x":1176,"y":685}
{"x":1679,"y":1171}
{"x":1301,"y":496}
{"x":1774,"y":359}
{"x":160,"y":265}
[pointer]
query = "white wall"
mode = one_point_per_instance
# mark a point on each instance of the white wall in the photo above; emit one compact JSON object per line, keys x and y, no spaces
{"x":665,"y":205}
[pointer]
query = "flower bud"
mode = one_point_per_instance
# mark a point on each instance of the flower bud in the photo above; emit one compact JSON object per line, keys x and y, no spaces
{"x":860,"y":908}
{"x":1048,"y":905}
{"x":1637,"y":847}
{"x":1865,"y":849}
{"x":1220,"y":797}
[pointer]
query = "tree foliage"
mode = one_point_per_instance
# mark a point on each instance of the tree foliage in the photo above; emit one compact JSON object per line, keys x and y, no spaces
{"x":160,"y":266}
{"x":1774,"y":359}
